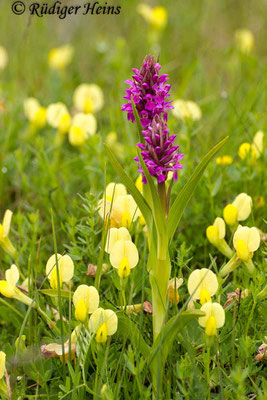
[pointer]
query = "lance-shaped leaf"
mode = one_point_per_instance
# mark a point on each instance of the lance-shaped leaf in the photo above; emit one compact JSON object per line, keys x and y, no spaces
{"x":139,"y":199}
{"x":54,"y":293}
{"x":185,"y":194}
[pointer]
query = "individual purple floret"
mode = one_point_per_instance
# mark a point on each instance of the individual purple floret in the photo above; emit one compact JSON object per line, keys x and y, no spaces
{"x":149,"y":92}
{"x":159,"y":152}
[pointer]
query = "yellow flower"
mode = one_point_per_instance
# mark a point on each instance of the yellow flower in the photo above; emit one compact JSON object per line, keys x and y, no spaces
{"x":58,"y":117}
{"x":202,"y":284}
{"x":2,"y":364}
{"x":65,"y":270}
{"x":114,"y":235}
{"x":3,"y":57}
{"x":5,"y":242}
{"x":35,"y":113}
{"x":246,"y":242}
{"x":55,"y":350}
{"x":224,"y":160}
{"x":88,"y":98}
{"x":103,"y":323}
{"x":214,"y":318}
{"x":186,"y":110}
{"x":124,"y":256}
{"x":253,"y":150}
{"x":257,"y":144}
{"x":172,"y":291}
{"x":60,"y":57}
{"x":83,"y":126}
{"x":156,"y":17}
{"x":114,"y":190}
{"x":86,"y":301}
{"x":215,"y":234}
{"x":125,"y":210}
{"x":9,"y":289}
{"x":244,"y":40}
{"x":239,"y":210}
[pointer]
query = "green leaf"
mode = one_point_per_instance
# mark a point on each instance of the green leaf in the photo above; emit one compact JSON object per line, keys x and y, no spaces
{"x":54,"y":293}
{"x":165,"y":340}
{"x":185,"y":194}
{"x":139,"y":199}
{"x":130,"y":331}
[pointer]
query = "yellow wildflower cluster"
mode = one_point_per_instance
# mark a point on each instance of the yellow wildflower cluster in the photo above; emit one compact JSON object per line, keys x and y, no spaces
{"x":87,"y":99}
{"x":253,"y":150}
{"x":202,"y":285}
{"x":245,"y":240}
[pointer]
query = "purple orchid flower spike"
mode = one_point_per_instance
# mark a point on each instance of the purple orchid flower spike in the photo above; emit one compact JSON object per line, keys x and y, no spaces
{"x":149,"y":91}
{"x":159,"y":153}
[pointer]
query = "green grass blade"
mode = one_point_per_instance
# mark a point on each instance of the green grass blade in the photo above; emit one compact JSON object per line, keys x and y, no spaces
{"x":185,"y":194}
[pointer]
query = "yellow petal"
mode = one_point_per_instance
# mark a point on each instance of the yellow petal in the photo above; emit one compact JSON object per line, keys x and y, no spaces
{"x":220,"y":225}
{"x":89,"y":295}
{"x":101,"y":334}
{"x":125,"y":210}
{"x":122,"y":249}
{"x":243,"y":204}
{"x":66,"y":267}
{"x":2,"y":364}
{"x":12,"y":275}
{"x":242,"y":250}
{"x":211,"y":326}
{"x":81,"y":311}
{"x":139,"y":183}
{"x":172,"y":292}
{"x":88,"y":96}
{"x":212,"y":233}
{"x":60,"y":57}
{"x":97,"y":318}
{"x":244,"y":150}
{"x":124,"y":268}
{"x":54,"y":279}
{"x":51,"y":264}
{"x":253,"y":239}
{"x":230,"y":214}
{"x":77,"y":136}
{"x":114,"y":190}
{"x":7,"y":290}
{"x":111,"y":321}
{"x":55,"y":112}
{"x":257,"y":144}
{"x":115,"y":234}
{"x":7,"y":222}
{"x":31,"y":106}
{"x":250,"y":236}
{"x":204,"y":296}
{"x":202,"y":279}
{"x":215,"y":310}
